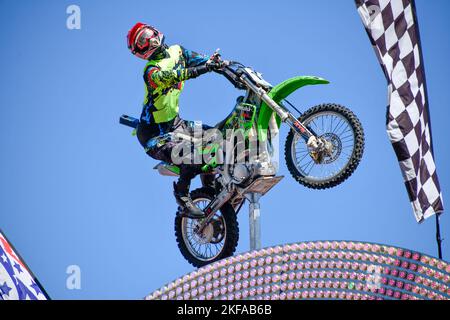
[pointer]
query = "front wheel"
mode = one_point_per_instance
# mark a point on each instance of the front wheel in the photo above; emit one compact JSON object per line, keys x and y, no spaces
{"x":218,"y":240}
{"x":340,"y":130}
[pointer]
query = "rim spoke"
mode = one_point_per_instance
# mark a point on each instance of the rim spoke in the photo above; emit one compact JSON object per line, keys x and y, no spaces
{"x":336,"y":129}
{"x":197,"y":243}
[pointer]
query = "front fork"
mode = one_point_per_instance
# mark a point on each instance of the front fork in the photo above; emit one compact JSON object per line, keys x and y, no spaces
{"x":315,"y":144}
{"x":310,"y":137}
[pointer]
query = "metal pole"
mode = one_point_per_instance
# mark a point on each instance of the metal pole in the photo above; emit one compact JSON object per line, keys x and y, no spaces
{"x":438,"y":236}
{"x":254,"y":220}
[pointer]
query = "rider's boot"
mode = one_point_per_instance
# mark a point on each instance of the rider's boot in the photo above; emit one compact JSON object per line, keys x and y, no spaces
{"x":185,"y":202}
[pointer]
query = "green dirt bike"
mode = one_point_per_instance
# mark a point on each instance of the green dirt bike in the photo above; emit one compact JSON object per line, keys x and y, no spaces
{"x":323,"y":148}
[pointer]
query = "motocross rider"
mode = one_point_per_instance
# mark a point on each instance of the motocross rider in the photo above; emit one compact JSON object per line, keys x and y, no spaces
{"x":164,"y":76}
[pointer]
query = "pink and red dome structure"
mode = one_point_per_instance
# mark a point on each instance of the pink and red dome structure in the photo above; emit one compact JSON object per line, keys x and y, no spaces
{"x":345,"y":270}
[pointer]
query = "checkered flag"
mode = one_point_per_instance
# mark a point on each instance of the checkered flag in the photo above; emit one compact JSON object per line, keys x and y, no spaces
{"x":394,"y":32}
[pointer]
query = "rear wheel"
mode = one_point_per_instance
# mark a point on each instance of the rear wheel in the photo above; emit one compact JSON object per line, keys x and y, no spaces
{"x":343,"y":135}
{"x":218,"y":240}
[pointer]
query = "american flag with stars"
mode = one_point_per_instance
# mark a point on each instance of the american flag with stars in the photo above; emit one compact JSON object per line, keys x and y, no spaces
{"x":16,"y":281}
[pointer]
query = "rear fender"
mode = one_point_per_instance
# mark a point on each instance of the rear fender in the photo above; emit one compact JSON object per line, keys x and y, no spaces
{"x":166,"y":169}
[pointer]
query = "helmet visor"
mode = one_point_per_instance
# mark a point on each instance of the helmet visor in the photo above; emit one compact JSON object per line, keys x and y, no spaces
{"x":147,"y":40}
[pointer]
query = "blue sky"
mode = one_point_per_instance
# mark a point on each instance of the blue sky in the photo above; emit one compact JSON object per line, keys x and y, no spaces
{"x":76,"y":187}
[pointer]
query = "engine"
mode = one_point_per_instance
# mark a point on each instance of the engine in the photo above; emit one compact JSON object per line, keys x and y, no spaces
{"x":241,"y":172}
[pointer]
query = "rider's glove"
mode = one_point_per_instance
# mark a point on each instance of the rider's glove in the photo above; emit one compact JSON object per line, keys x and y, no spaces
{"x":215,"y":62}
{"x":213,"y":65}
{"x":217,"y":66}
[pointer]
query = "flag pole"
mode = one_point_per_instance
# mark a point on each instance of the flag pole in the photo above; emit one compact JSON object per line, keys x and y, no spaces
{"x":438,"y":236}
{"x":427,"y":108}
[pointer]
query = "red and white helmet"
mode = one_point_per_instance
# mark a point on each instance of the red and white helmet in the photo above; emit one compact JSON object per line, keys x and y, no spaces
{"x":143,"y":40}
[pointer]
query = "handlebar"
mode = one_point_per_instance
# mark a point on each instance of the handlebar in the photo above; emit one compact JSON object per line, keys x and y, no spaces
{"x":234,"y":75}
{"x":242,"y":79}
